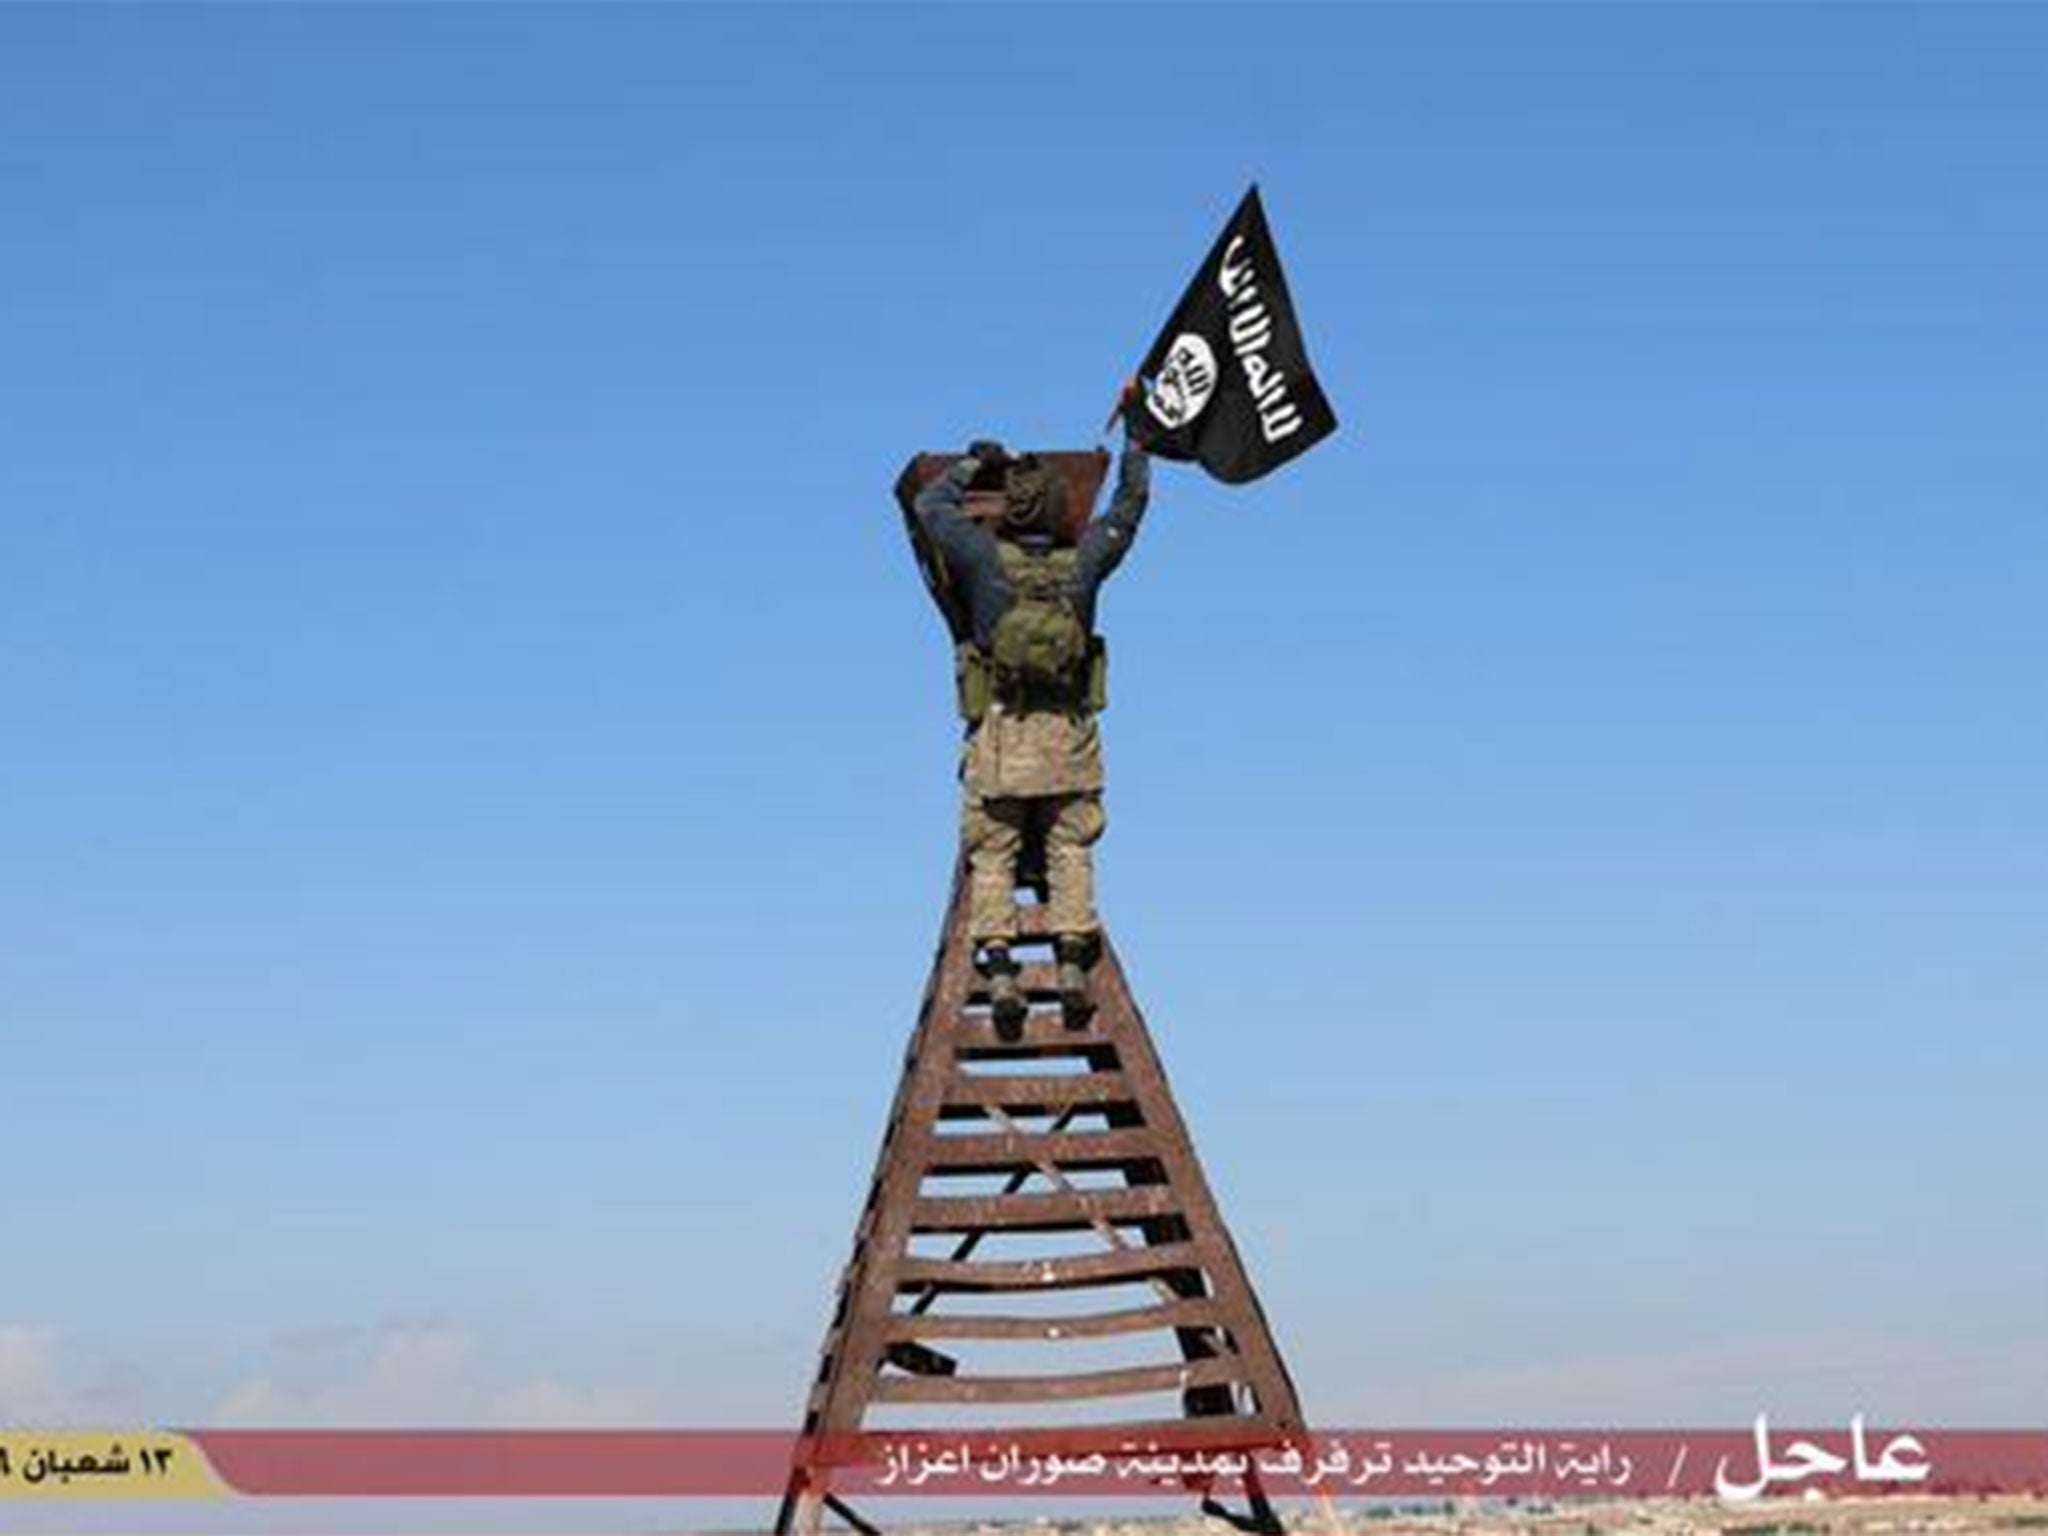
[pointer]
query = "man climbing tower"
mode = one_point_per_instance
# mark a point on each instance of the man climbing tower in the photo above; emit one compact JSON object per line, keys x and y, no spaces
{"x":1032,"y":675}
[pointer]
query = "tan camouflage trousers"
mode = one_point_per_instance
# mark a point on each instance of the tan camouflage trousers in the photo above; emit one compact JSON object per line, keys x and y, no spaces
{"x":993,"y":830}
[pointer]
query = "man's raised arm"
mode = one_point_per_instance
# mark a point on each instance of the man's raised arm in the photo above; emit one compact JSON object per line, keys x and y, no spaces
{"x":939,"y":508}
{"x":1107,"y":539}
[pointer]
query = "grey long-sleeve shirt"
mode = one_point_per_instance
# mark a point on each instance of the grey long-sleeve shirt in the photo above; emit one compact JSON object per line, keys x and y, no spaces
{"x":969,"y":550}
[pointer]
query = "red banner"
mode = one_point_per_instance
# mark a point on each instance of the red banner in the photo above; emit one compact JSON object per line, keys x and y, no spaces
{"x":1731,"y":1465}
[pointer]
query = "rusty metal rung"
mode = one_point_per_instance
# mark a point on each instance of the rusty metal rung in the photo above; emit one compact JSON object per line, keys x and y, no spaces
{"x":1057,"y":1211}
{"x":1033,"y":1091}
{"x":1044,"y":1036}
{"x":1074,"y":1151}
{"x":1125,"y":1381}
{"x":1038,"y":981}
{"x":1086,"y":1325}
{"x":1067,"y":1272}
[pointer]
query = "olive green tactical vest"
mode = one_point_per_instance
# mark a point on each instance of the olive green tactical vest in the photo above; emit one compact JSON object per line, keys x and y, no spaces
{"x":1040,"y":655}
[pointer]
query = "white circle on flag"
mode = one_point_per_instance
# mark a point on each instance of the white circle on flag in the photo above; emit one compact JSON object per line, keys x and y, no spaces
{"x":1187,"y":378}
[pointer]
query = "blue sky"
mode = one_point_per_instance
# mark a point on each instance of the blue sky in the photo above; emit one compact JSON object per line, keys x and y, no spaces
{"x":477,"y":794}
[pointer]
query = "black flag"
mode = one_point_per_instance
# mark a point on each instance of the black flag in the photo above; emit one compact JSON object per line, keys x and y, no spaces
{"x":1228,"y":380}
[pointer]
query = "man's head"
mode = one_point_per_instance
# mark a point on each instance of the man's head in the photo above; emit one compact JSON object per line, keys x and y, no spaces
{"x":1034,"y":500}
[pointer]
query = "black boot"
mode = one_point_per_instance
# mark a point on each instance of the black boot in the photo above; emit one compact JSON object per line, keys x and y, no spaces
{"x":1076,"y":954}
{"x":1007,"y":1005}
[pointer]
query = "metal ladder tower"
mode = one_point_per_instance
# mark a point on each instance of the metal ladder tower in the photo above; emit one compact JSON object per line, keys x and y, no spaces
{"x":1052,"y":1129}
